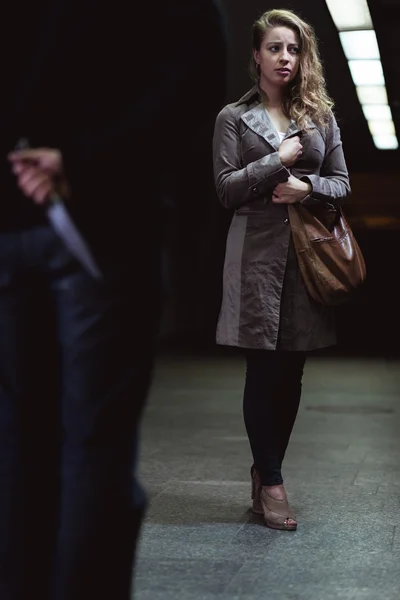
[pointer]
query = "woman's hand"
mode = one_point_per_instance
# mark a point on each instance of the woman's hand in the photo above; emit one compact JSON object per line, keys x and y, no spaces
{"x":40,"y":173}
{"x":293,"y":190}
{"x":290,"y":151}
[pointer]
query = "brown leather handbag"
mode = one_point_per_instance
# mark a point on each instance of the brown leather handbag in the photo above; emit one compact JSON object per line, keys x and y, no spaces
{"x":330,"y":259}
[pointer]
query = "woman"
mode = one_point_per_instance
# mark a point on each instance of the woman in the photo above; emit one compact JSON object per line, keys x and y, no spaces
{"x":279,"y":144}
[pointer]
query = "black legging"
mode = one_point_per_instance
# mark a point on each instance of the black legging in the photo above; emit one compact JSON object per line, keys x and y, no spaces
{"x":270,"y":404}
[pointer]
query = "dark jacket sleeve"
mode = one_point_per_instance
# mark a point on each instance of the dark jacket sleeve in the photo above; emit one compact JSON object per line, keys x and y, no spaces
{"x":237,"y":185}
{"x":332,"y":185}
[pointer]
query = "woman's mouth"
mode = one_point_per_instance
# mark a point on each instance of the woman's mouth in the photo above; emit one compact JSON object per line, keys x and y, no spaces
{"x":283,"y":71}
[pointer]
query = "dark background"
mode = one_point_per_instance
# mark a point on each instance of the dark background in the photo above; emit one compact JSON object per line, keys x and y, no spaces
{"x":197,"y":224}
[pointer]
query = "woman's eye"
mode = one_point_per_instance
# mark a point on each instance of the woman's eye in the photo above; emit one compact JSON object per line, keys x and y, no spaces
{"x":294,"y":50}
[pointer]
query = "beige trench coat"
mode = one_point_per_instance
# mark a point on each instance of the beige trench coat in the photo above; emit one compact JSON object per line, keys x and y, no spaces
{"x":265,"y":304}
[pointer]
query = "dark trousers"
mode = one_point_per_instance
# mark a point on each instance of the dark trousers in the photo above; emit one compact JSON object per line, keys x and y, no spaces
{"x":75,"y":366}
{"x":270,"y":404}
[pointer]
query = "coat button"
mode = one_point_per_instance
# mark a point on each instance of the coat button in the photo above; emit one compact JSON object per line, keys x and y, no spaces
{"x":254,"y":190}
{"x":286,"y":221}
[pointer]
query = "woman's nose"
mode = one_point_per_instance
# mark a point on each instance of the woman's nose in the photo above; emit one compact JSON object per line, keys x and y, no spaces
{"x":284,"y":55}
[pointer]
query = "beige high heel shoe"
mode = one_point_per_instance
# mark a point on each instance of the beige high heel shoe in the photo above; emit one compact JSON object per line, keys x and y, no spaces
{"x":276,"y":512}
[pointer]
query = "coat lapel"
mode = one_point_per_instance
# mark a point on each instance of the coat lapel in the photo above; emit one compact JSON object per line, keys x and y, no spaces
{"x":259,"y":121}
{"x":292,"y":129}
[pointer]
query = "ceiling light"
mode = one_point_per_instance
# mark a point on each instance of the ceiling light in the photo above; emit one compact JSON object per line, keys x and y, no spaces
{"x":350,"y":14}
{"x":386,"y":142}
{"x":377,"y":112}
{"x":360,"y":44}
{"x":372,"y":94}
{"x":381,"y":127}
{"x":367,"y":72}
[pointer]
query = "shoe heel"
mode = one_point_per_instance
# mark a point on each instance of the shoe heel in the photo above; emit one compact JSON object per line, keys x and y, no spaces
{"x":255,"y":492}
{"x":253,"y":475}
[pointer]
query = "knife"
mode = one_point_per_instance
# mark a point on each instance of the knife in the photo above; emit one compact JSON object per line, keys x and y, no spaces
{"x":66,"y":229}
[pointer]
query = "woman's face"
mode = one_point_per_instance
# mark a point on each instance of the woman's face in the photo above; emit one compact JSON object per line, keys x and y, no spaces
{"x":278,"y":57}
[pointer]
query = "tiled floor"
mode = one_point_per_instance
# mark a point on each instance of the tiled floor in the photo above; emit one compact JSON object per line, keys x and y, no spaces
{"x":342,"y":474}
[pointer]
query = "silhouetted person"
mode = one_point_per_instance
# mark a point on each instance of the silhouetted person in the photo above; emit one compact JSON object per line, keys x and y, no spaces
{"x":98,"y":107}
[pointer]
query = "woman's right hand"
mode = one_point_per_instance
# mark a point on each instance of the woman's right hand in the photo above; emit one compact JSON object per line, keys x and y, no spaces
{"x":290,"y":151}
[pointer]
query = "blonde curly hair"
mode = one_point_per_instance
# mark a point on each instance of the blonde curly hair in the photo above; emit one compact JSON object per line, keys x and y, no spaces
{"x":307,"y":96}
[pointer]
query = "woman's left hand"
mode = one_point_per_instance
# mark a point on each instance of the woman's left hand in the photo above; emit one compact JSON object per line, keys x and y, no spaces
{"x":293,"y":190}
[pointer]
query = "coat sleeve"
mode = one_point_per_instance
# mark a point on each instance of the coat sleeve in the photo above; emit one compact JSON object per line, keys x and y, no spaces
{"x":332,"y":185}
{"x":237,"y":185}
